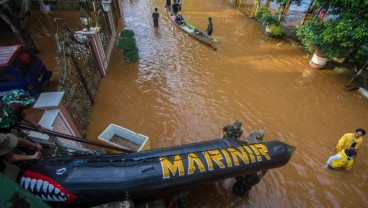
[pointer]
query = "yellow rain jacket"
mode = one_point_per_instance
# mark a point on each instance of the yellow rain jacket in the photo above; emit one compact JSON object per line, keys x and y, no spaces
{"x":340,"y":160}
{"x":347,"y":139}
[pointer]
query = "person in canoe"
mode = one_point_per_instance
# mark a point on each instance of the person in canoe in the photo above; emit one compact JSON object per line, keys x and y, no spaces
{"x":179,"y":19}
{"x":209,"y":27}
{"x":198,"y":32}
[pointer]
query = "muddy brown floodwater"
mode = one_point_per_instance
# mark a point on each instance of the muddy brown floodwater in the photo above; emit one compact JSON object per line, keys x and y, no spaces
{"x":181,"y":91}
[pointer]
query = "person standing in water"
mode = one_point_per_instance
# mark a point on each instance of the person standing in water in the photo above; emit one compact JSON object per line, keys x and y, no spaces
{"x":243,"y":184}
{"x":232,"y":131}
{"x":256,"y":137}
{"x":175,"y":7}
{"x":351,"y":140}
{"x":155,"y":16}
{"x":209,"y":27}
{"x":168,"y":5}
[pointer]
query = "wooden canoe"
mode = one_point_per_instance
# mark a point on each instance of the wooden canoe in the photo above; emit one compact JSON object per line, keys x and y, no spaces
{"x":194,"y":32}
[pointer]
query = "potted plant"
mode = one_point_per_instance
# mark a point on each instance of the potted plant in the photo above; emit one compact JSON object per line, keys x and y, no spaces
{"x":318,"y":39}
{"x":272,"y":24}
{"x":274,"y":30}
{"x":261,"y":12}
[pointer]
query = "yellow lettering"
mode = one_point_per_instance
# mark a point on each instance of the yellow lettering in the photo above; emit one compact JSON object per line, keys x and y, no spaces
{"x":216,"y":156}
{"x":227,"y":157}
{"x":176,"y":166}
{"x":192,"y":160}
{"x":251,"y":154}
{"x":263,"y":150}
{"x":239,"y":154}
{"x":259,"y":158}
{"x":209,"y":160}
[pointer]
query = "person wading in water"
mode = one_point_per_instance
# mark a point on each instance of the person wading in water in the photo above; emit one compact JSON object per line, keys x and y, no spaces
{"x":155,"y":16}
{"x":232,"y":131}
{"x":244,"y":184}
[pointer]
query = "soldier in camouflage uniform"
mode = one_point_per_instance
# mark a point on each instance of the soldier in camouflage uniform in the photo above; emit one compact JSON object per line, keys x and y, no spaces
{"x":9,"y":119}
{"x":11,"y":110}
{"x":233,"y":131}
{"x":11,"y":113}
{"x":244,"y":183}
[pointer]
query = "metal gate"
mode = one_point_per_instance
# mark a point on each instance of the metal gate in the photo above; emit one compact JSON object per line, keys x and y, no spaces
{"x":115,"y":12}
{"x":79,"y":75}
{"x":104,"y":31}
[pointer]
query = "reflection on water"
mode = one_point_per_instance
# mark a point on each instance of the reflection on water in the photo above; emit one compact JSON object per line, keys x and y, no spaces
{"x":181,"y":91}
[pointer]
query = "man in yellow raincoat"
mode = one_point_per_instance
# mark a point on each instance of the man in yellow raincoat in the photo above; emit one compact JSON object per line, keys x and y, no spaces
{"x":342,"y":160}
{"x":351,"y":140}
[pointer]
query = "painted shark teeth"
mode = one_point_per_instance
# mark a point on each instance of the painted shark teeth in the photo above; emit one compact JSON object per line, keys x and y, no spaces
{"x":27,"y":181}
{"x":43,"y":189}
{"x":51,"y":188}
{"x":33,"y":183}
{"x":22,"y":181}
{"x":44,"y":197}
{"x":39,"y":184}
{"x":54,"y":198}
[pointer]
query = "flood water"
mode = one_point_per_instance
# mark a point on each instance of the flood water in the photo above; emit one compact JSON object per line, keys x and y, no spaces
{"x":181,"y":91}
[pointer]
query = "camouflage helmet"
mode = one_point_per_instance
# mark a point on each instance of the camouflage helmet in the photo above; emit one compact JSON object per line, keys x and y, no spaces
{"x":20,"y":97}
{"x":238,"y":123}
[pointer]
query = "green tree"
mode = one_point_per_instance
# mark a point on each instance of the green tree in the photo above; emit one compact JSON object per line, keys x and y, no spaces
{"x":347,"y":32}
{"x":283,"y":6}
{"x":311,"y":36}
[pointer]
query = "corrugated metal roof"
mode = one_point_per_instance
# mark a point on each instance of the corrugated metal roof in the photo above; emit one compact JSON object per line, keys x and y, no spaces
{"x":6,"y":53}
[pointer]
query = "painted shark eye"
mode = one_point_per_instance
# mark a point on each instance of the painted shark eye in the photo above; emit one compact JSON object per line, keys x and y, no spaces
{"x":278,"y":148}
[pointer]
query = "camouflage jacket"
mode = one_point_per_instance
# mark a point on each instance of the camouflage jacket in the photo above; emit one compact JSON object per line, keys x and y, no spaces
{"x":8,"y":118}
{"x":230,"y":132}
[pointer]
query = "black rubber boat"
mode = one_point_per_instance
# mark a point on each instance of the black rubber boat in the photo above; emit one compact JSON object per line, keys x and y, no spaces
{"x":108,"y":178}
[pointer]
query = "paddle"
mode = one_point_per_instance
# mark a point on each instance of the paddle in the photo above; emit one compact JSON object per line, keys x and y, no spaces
{"x":73,"y":138}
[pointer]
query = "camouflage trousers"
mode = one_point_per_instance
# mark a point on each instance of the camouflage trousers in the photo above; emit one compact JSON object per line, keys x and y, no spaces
{"x":244,"y":184}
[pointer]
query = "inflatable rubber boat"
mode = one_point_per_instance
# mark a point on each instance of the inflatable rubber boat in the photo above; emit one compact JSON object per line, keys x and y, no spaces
{"x":108,"y":178}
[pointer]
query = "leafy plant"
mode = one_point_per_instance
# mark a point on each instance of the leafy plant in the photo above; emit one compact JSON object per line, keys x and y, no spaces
{"x":261,"y":12}
{"x":127,"y":33}
{"x":324,"y":37}
{"x":128,"y":44}
{"x":310,"y":35}
{"x":276,"y":30}
{"x":131,"y":55}
{"x":348,"y":31}
{"x":269,"y":19}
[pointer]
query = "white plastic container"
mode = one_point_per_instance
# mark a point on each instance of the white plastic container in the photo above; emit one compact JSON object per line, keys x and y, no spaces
{"x":121,"y":137}
{"x":47,"y":8}
{"x":363,"y":92}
